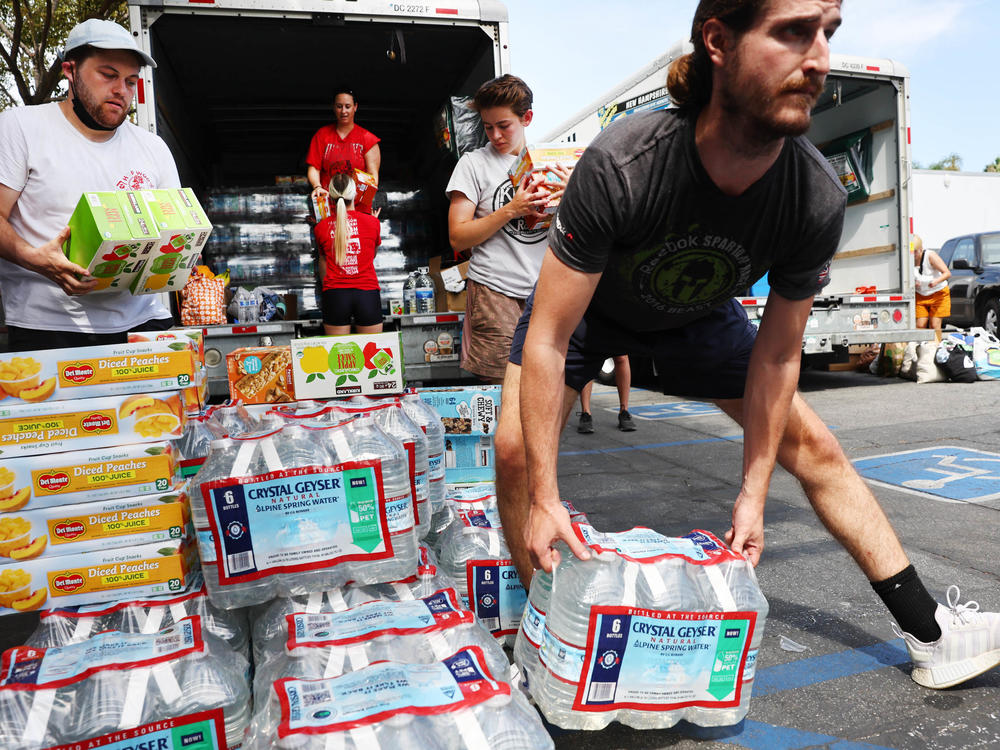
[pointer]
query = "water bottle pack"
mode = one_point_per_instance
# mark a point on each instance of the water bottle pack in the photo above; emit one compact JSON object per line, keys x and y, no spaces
{"x":452,"y":704}
{"x":329,"y":644}
{"x":281,"y":513}
{"x":233,"y":419}
{"x":116,"y":681}
{"x":474,"y":553}
{"x":193,"y":445}
{"x":269,"y":619}
{"x":391,"y":418}
{"x":61,"y":627}
{"x":649,"y":631}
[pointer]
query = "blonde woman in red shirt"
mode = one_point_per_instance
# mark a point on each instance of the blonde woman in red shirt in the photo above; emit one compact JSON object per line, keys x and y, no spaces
{"x":348,"y":241}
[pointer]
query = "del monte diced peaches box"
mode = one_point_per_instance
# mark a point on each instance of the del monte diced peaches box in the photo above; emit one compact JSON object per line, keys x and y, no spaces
{"x":84,"y":372}
{"x":32,"y":482}
{"x":113,"y":575}
{"x":30,"y":429}
{"x":86,"y":527}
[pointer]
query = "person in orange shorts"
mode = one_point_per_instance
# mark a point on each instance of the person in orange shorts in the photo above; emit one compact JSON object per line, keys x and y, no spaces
{"x":933,"y":296}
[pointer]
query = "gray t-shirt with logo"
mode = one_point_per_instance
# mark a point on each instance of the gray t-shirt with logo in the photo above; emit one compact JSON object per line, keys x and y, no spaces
{"x":508,"y":262}
{"x":641,"y":209}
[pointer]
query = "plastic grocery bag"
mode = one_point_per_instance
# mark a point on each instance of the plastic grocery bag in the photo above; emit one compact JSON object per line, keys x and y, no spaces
{"x":203,"y":299}
{"x":985,"y":348}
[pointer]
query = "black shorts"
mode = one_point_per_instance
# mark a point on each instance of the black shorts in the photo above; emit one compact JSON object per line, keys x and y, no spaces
{"x":707,"y":358}
{"x":32,"y":339}
{"x":341,"y":307}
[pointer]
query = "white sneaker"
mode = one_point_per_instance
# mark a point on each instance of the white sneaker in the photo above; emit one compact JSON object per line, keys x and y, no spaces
{"x":969,"y":645}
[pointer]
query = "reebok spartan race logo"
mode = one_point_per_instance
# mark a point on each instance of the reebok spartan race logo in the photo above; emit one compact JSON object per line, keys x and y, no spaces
{"x":516,"y":228}
{"x":691,"y":272}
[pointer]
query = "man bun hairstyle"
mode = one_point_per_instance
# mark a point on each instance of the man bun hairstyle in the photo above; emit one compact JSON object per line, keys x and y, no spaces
{"x":689,"y":79}
{"x":506,"y":91}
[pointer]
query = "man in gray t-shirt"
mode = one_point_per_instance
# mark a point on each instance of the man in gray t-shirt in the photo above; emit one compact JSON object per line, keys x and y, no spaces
{"x":666,"y":218}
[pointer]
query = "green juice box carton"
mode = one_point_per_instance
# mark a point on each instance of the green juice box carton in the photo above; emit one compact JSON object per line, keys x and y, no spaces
{"x":110,"y":231}
{"x":184,"y":230}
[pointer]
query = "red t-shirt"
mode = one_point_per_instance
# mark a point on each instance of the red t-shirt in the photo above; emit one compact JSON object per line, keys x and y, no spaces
{"x":364,"y":235}
{"x":330,"y":153}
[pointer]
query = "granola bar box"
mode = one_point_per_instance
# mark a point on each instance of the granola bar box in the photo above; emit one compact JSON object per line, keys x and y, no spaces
{"x":28,"y":429}
{"x":260,"y":374}
{"x":364,"y":364}
{"x":88,"y":371}
{"x":469,"y":415}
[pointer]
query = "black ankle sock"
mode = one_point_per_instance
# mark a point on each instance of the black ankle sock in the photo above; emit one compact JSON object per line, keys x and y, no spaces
{"x":908,"y":601}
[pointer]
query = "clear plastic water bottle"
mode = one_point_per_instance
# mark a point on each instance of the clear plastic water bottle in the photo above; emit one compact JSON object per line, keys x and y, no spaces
{"x":410,"y":293}
{"x":430,"y":422}
{"x":425,"y":291}
{"x":391,"y":417}
{"x":531,"y":630}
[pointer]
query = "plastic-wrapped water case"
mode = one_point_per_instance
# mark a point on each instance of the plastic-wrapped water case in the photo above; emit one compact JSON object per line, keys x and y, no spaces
{"x":269,"y":623}
{"x":61,"y":627}
{"x":391,"y":418}
{"x":329,"y":644}
{"x":278,"y":517}
{"x":452,"y":704}
{"x":473,"y":552}
{"x":117,"y":681}
{"x":649,"y":631}
{"x":193,"y":446}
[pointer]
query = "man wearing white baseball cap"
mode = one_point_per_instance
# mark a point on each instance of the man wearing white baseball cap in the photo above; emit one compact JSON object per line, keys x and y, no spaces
{"x":52,"y":154}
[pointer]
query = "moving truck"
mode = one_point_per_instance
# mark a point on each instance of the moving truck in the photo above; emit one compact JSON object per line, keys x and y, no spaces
{"x":242,"y":85}
{"x":870,"y":298}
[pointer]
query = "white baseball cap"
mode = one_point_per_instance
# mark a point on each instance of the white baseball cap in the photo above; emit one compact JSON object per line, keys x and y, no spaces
{"x":104,"y":35}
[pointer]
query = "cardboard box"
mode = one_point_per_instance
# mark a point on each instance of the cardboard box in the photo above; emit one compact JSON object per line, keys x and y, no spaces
{"x":360,"y":364}
{"x":87,"y":527}
{"x":366,"y":188}
{"x":86,"y":423}
{"x":469,"y":415}
{"x":89,"y":371}
{"x":196,"y":396}
{"x":260,"y":374}
{"x":538,"y":159}
{"x":184,"y":231}
{"x":32,"y":482}
{"x":91,"y":577}
{"x":109,"y":233}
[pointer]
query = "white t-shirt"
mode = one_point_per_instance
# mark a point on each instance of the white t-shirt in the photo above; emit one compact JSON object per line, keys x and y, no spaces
{"x":508,"y":262}
{"x":52,"y":164}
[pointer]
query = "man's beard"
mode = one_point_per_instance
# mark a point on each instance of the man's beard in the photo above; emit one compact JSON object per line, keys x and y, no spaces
{"x":765,"y":114}
{"x":94,"y":107}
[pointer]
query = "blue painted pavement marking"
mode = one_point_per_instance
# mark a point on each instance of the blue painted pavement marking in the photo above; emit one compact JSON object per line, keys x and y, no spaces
{"x":946,"y":473}
{"x":673,"y":410}
{"x":817,"y":669}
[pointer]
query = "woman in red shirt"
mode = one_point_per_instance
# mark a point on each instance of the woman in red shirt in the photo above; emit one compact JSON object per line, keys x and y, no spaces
{"x":342,"y":146}
{"x":348,"y":242}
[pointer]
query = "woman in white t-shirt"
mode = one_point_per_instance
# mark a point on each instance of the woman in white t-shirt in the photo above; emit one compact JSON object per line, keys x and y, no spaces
{"x":499,"y":225}
{"x":933,"y":298}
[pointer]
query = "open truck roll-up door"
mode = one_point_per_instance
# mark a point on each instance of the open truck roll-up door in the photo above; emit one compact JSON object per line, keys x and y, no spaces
{"x":241,"y":86}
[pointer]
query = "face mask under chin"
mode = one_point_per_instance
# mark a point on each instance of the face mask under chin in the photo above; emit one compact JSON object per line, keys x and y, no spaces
{"x":85,"y":117}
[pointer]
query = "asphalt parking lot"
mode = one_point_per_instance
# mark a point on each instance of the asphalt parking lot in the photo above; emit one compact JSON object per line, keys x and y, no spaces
{"x":933,"y":451}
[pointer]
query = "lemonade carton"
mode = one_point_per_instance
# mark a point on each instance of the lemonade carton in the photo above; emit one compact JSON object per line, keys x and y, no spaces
{"x":91,"y":577}
{"x":109,"y":233}
{"x":87,"y":527}
{"x":88,"y":371}
{"x":28,"y":429}
{"x":360,"y":364}
{"x":184,"y":230}
{"x":32,"y":482}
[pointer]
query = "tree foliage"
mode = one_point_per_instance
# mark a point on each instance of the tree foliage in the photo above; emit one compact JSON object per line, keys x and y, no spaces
{"x":993,"y":166}
{"x":951,"y":163}
{"x":31,"y":34}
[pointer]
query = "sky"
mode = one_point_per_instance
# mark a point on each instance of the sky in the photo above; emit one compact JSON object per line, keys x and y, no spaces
{"x":571,"y":52}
